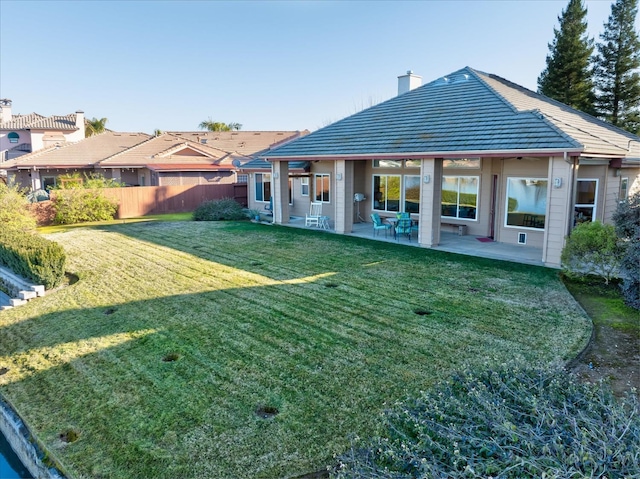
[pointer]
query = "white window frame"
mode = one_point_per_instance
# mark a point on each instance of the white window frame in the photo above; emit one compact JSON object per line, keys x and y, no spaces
{"x":255,"y":184}
{"x":595,"y":198}
{"x":458,"y":217}
{"x":400,"y":202}
{"x":321,"y":176}
{"x":304,"y":182}
{"x":506,"y":205}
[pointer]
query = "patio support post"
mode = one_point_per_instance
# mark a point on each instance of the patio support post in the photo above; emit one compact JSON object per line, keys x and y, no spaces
{"x":343,"y":196}
{"x":36,"y":183}
{"x":280,"y":191}
{"x":430,"y":201}
{"x":559,"y":214}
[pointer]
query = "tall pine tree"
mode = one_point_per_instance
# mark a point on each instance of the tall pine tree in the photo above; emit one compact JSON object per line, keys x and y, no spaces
{"x":568,"y":76}
{"x":617,"y":64}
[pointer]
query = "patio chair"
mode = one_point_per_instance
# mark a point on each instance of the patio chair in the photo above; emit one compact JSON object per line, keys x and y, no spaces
{"x":313,"y":218}
{"x":379,"y":225}
{"x":403,"y":227}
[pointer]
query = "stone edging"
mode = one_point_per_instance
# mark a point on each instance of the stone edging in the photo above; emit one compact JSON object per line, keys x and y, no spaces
{"x":20,"y":439}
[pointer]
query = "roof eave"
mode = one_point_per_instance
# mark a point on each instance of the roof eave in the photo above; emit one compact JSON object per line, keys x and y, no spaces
{"x":432,"y":154}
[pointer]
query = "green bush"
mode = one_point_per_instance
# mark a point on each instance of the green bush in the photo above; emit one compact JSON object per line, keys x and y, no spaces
{"x":32,"y":257}
{"x":14,"y":212}
{"x":216,"y":210}
{"x":592,"y":248}
{"x":511,"y":421}
{"x":81,"y":205}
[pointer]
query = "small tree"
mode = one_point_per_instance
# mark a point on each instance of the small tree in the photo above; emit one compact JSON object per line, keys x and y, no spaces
{"x":627,"y":221}
{"x":593,"y":248}
{"x":14,"y":211}
{"x":95,"y":126}
{"x":219,"y":126}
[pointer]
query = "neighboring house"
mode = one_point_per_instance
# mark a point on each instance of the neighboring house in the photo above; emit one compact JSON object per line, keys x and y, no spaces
{"x":137,"y":159}
{"x":41,"y":169}
{"x":22,"y":134}
{"x":469,"y":149}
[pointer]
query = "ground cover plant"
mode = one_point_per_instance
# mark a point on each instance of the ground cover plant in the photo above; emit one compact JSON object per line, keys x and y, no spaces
{"x":514,"y":420}
{"x":234,"y":349}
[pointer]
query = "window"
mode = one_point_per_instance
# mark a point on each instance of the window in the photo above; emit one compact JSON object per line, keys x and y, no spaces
{"x":13,"y":137}
{"x":624,"y":188}
{"x":386,"y":192}
{"x":586,"y":195}
{"x":526,"y":202}
{"x":466,"y":163}
{"x":412,"y":194}
{"x":243,"y":178}
{"x":322,"y":187}
{"x":460,"y":197}
{"x":387,"y":163}
{"x":263,"y":187}
{"x":290,"y":191}
{"x":304,"y":186}
{"x":48,"y":183}
{"x":397,"y":163}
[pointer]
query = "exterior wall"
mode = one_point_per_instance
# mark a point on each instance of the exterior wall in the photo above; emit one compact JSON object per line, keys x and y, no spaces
{"x":25,"y":137}
{"x":328,"y":209}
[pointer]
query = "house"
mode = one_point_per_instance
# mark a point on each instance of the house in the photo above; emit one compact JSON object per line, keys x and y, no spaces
{"x":41,"y":169}
{"x":22,"y":134}
{"x":468,"y":152}
{"x":138,"y":159}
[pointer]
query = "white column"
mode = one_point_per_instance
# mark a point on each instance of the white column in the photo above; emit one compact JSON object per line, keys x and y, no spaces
{"x":280,"y":193}
{"x":559,"y":214}
{"x":430,"y":199}
{"x":343,"y":216}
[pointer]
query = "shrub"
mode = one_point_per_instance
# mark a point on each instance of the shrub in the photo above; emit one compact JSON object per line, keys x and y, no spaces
{"x":592,"y":248}
{"x":14,"y":209}
{"x":514,"y":421}
{"x":81,"y":205}
{"x":32,"y":257}
{"x":627,"y":221}
{"x":216,"y":210}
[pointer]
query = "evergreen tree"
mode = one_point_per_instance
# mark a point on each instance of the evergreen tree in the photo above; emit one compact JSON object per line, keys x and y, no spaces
{"x":568,"y":76}
{"x":616,"y":68}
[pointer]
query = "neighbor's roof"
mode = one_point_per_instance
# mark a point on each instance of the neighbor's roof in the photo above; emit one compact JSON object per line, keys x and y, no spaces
{"x":249,"y":143}
{"x":169,"y":151}
{"x":81,"y":154}
{"x":466,"y":112}
{"x":33,"y":121}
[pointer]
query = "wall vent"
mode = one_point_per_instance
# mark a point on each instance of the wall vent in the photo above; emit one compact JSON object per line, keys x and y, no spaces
{"x":522,"y":238}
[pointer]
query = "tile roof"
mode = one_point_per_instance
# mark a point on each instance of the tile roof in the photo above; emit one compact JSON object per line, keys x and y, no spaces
{"x":34,"y":121}
{"x":466,"y":111}
{"x":248,"y":143}
{"x":84,"y":153}
{"x":173,"y":150}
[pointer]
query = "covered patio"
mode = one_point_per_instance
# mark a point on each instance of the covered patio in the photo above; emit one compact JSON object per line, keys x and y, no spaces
{"x":450,"y":242}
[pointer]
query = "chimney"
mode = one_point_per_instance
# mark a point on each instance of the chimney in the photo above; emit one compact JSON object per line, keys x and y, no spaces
{"x":408,"y":82}
{"x":5,"y":110}
{"x":80,"y":120}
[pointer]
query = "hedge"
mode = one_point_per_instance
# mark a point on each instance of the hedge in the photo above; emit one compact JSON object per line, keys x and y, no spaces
{"x":32,"y":257}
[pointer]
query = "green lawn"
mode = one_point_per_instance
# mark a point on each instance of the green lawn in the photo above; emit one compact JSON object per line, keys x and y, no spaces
{"x":322,"y":327}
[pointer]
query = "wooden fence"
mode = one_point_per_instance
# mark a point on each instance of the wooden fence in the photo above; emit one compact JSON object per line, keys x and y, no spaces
{"x":153,"y":200}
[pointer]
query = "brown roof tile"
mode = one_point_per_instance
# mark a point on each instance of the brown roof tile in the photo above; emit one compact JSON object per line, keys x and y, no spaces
{"x":84,"y":153}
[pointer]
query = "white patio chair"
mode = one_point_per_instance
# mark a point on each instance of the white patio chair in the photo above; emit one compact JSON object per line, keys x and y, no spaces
{"x":313,"y":218}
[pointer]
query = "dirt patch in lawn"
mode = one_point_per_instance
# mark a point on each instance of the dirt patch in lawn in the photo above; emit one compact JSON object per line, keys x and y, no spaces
{"x":612,"y":355}
{"x":614,"y":351}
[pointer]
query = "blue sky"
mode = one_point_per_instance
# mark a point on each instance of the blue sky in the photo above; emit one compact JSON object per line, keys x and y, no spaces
{"x":267,"y":65}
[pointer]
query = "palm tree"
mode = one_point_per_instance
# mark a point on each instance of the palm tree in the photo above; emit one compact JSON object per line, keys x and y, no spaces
{"x":94,"y":126}
{"x":218,"y":125}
